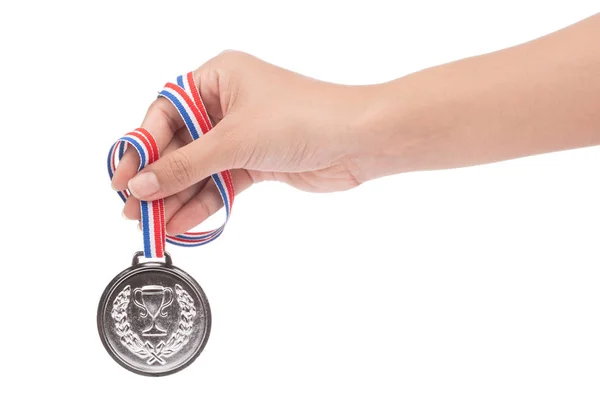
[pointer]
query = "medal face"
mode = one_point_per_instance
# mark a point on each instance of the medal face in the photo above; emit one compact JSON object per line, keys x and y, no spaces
{"x":153,"y":318}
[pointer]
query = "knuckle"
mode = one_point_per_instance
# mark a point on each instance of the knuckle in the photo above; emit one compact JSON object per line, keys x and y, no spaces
{"x":179,"y":168}
{"x":158,"y":110}
{"x":227,"y":51}
{"x":202,"y":207}
{"x":231,"y":60}
{"x":227,"y":71}
{"x":232,"y":55}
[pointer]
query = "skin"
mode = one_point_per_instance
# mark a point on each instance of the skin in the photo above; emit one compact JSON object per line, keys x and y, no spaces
{"x":273,"y":124}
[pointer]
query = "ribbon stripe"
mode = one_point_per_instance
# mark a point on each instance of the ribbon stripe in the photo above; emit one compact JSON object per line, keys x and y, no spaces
{"x":186,"y":98}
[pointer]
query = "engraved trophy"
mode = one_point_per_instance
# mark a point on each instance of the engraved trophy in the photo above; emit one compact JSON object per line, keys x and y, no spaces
{"x":153,"y":299}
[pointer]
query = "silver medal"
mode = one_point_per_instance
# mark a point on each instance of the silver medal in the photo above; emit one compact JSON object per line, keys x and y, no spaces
{"x":153,"y":318}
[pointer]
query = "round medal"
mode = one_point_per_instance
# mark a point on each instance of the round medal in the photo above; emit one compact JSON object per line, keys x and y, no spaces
{"x":153,"y":318}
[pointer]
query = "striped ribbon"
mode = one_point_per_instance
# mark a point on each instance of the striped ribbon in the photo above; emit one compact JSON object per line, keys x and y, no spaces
{"x":184,"y":95}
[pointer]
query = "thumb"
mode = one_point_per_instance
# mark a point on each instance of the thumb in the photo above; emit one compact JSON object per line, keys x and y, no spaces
{"x":216,"y":151}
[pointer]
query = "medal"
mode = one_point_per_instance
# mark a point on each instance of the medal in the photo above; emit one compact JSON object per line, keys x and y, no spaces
{"x":154,"y":318}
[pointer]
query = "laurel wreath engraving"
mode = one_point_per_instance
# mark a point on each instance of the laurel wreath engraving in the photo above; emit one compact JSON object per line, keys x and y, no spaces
{"x":145,"y":349}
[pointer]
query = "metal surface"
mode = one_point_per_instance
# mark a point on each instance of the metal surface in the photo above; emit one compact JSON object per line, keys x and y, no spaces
{"x":154,"y":318}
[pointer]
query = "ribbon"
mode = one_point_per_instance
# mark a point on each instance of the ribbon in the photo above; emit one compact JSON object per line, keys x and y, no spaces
{"x":184,"y":95}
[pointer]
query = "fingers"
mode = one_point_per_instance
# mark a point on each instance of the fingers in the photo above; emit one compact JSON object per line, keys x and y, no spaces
{"x":163,"y":121}
{"x":211,"y":153}
{"x":220,"y":149}
{"x":189,"y":208}
{"x":173,"y":203}
{"x":205,"y":204}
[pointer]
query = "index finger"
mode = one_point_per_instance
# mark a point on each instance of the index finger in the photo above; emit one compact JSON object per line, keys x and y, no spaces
{"x":162,"y":121}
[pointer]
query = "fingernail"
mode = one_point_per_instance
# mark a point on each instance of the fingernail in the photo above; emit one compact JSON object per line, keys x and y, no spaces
{"x":139,"y":227}
{"x":123,"y":215}
{"x":143,"y":185}
{"x":114,"y":187}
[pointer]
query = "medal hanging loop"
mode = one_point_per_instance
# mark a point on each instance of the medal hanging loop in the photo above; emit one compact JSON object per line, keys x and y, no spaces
{"x":136,"y":259}
{"x":184,"y":95}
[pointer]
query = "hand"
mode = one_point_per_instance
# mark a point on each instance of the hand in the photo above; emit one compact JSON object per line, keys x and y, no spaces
{"x":271,"y":124}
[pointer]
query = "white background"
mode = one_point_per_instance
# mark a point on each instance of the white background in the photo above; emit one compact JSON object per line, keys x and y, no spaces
{"x":470,"y":289}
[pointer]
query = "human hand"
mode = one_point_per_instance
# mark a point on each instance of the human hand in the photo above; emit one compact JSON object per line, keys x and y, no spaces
{"x":271,"y":124}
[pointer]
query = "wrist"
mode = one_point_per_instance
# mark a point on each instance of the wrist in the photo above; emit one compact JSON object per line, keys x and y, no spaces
{"x":387,"y":128}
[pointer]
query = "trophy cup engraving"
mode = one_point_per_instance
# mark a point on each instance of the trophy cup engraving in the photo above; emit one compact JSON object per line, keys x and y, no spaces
{"x":153,"y":300}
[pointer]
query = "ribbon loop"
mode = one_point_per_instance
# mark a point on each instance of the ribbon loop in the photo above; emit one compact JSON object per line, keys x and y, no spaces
{"x":184,"y":95}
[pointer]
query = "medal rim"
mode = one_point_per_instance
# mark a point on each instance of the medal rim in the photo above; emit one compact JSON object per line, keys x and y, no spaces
{"x":136,"y":269}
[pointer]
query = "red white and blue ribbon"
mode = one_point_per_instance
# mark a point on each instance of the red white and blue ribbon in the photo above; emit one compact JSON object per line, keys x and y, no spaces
{"x":184,"y":95}
{"x":152,"y":212}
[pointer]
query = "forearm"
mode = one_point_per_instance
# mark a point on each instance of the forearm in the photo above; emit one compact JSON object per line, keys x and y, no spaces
{"x":538,"y":97}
